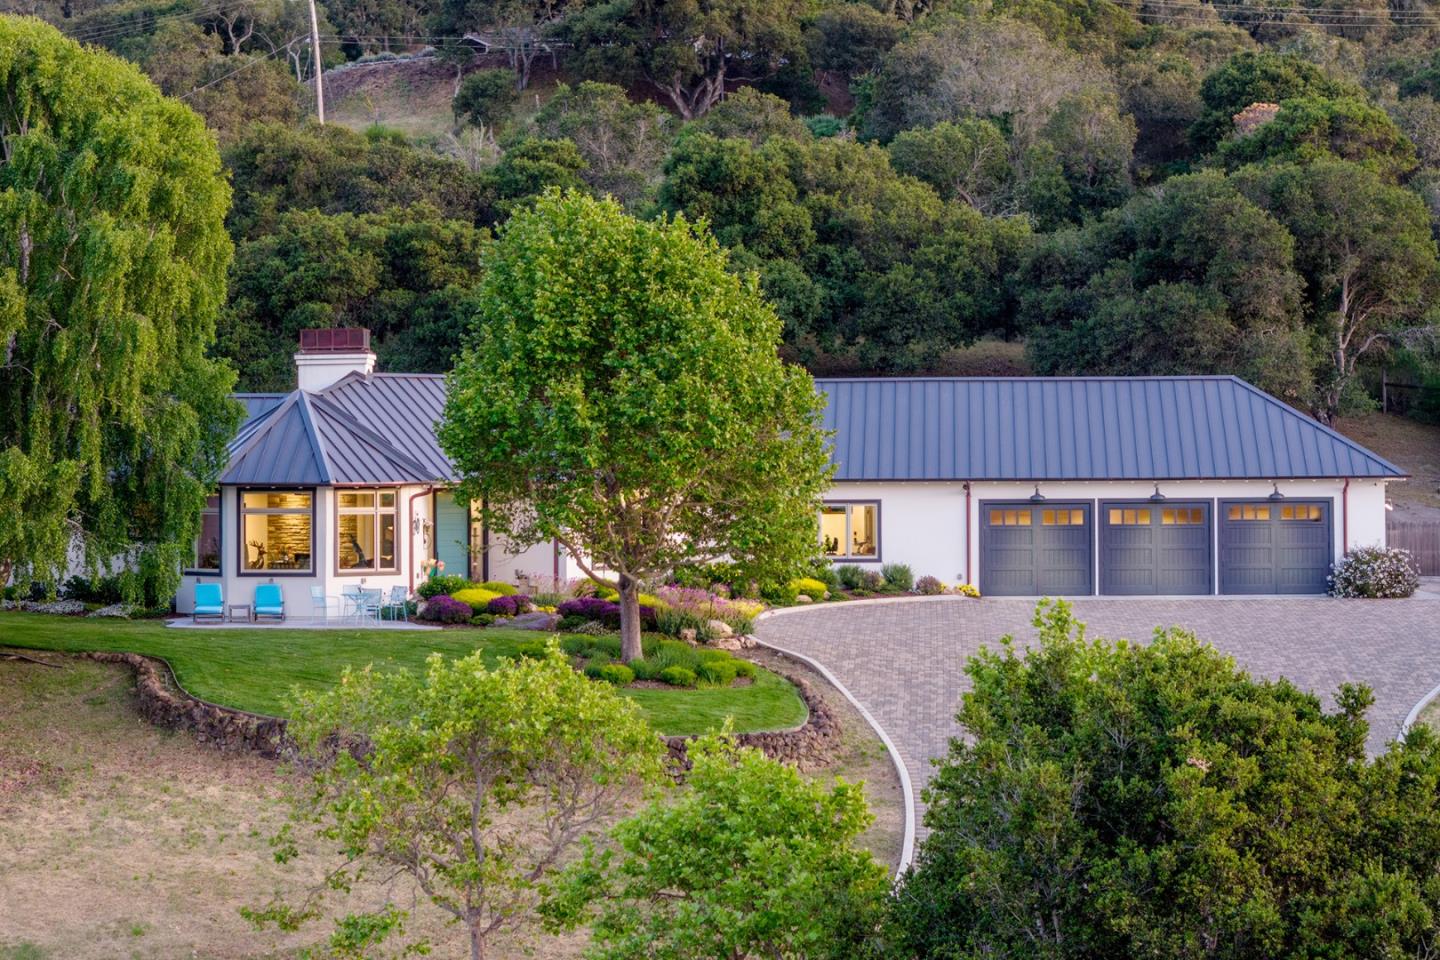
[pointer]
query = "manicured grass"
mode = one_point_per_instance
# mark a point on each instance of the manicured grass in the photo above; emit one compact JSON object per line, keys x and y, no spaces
{"x":257,"y":669}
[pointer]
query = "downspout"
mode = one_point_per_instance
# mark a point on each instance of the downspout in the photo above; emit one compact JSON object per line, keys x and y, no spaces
{"x":411,"y":515}
{"x":1345,"y":518}
{"x":555,"y":564}
{"x":967,"y":533}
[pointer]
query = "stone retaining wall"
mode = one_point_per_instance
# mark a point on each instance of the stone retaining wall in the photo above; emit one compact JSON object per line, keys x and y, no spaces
{"x":165,"y":704}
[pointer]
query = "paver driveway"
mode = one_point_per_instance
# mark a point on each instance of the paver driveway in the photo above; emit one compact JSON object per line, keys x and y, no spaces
{"x":904,"y":660}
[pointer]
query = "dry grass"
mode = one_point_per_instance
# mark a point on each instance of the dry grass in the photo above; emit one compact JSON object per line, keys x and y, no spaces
{"x":120,"y":840}
{"x":1410,"y":445}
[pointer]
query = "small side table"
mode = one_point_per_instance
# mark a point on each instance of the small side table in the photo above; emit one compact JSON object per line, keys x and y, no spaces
{"x":238,"y":611}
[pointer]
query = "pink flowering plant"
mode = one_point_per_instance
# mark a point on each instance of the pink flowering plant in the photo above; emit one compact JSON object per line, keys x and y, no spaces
{"x":691,"y":608}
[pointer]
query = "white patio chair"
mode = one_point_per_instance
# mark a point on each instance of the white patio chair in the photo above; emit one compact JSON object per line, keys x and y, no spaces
{"x":368,"y":604}
{"x":350,"y":605}
{"x":321,"y":605}
{"x":399,"y":600}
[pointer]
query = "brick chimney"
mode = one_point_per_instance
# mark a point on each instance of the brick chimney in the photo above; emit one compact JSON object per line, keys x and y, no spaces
{"x":327,"y":356}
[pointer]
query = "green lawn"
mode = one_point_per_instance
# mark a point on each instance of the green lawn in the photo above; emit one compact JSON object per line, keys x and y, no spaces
{"x":256,"y":669}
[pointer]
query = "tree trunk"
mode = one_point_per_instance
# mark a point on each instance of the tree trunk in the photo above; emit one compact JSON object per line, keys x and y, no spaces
{"x":6,"y":566}
{"x":477,"y":941}
{"x":630,"y":648}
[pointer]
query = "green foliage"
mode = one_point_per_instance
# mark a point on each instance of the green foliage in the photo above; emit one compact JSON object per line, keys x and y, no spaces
{"x":750,"y":860}
{"x":1257,"y":77}
{"x":750,"y":115}
{"x":405,"y":275}
{"x":475,"y":780}
{"x":477,"y":598}
{"x":966,"y":160}
{"x":1125,"y":800}
{"x":113,"y":416}
{"x":533,"y":166}
{"x":678,"y":676}
{"x":814,"y":589}
{"x":499,"y":588}
{"x":849,"y":40}
{"x":720,"y":673}
{"x":615,"y":674}
{"x":486,"y":98}
{"x":583,"y":407}
{"x":1193,"y":279}
{"x":446,"y":584}
{"x":1310,"y":128}
{"x":898,"y":576}
{"x":622,"y":143}
{"x":850,"y":575}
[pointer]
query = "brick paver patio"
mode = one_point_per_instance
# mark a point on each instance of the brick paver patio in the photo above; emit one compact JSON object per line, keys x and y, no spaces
{"x":904,"y":660}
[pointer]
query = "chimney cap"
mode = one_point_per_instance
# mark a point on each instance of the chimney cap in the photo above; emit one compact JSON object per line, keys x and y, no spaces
{"x":335,"y":340}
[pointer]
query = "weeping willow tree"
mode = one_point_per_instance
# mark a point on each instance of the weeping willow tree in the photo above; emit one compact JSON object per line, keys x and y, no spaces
{"x":113,"y":254}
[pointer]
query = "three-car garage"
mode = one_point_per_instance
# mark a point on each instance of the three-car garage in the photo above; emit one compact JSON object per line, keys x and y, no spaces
{"x":1154,"y":547}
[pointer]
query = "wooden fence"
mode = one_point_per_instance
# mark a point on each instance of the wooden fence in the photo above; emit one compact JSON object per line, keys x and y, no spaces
{"x":1421,"y":538}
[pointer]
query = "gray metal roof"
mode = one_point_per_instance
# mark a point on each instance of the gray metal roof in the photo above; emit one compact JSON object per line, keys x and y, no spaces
{"x":1084,"y":428}
{"x":361,"y":430}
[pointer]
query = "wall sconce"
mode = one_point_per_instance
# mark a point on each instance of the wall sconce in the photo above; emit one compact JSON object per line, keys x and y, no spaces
{"x":1157,"y":496}
{"x":1037,"y":496}
{"x":1275,"y":492}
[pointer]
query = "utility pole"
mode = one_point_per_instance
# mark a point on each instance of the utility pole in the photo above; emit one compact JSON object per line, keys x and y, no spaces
{"x":319,"y":65}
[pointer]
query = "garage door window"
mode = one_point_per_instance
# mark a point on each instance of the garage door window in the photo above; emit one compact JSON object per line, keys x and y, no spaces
{"x":1062,"y":518}
{"x":1126,"y":517}
{"x":1308,"y":512}
{"x":1182,"y":517}
{"x":1248,"y":511}
{"x":850,"y":530}
{"x":1010,"y":518}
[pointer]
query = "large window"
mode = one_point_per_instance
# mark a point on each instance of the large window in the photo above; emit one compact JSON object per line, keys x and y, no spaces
{"x":366,"y":530}
{"x":850,"y":530}
{"x":206,"y":556}
{"x":277,"y":530}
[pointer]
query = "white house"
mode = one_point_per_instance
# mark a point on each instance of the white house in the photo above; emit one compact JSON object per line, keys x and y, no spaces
{"x":1095,"y":485}
{"x":341,"y":483}
{"x":1022,"y":486}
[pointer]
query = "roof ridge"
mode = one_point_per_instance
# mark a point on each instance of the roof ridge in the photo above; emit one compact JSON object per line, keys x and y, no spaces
{"x":374,"y":439}
{"x":317,"y":446}
{"x":1324,"y":428}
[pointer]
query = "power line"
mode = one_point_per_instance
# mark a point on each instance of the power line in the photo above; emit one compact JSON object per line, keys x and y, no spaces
{"x":244,"y":66}
{"x":144,"y":25}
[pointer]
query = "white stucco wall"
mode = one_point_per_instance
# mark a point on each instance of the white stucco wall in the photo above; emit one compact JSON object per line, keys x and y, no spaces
{"x":924,"y":524}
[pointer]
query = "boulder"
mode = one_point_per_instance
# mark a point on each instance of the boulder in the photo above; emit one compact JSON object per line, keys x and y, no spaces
{"x":688,"y":634}
{"x":804,"y":598}
{"x":539,"y":620}
{"x":719,"y":628}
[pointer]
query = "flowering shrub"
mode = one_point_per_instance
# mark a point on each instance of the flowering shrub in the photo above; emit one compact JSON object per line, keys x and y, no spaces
{"x":689,"y":608}
{"x":510,"y":606}
{"x":968,"y":590}
{"x":437,"y":585}
{"x":929,"y":586}
{"x":1374,"y":573}
{"x":812,"y":588}
{"x":603,"y":611}
{"x":443,"y":609}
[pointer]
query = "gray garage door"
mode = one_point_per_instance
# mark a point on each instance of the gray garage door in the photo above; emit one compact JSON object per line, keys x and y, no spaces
{"x":1030,"y":550}
{"x":1274,"y":546}
{"x":1154,"y":548}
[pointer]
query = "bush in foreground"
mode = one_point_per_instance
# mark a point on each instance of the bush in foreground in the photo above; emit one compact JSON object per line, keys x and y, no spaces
{"x":1120,"y":800}
{"x":1375,"y":573}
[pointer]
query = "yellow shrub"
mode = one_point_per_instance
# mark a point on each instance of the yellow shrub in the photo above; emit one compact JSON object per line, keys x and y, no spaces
{"x":477,"y":598}
{"x":812,"y":588}
{"x":968,"y":590}
{"x":498,"y":588}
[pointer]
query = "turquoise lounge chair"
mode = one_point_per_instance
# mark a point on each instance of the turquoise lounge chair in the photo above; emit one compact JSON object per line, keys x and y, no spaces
{"x":209,"y":602}
{"x":269,"y":602}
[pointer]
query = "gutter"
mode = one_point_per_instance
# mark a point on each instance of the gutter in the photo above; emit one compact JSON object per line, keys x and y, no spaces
{"x":410,"y":517}
{"x":1345,"y":519}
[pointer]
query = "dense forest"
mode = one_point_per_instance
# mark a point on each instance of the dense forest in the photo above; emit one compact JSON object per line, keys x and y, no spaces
{"x":1163,"y":187}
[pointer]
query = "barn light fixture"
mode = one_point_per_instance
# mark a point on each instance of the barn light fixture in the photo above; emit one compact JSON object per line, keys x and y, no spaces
{"x":1276,"y":494}
{"x":1157,"y":496}
{"x":1037,"y":496}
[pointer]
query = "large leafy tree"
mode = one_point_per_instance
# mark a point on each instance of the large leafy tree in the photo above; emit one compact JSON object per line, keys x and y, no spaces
{"x":1132,"y":800}
{"x":621,"y":393}
{"x":1369,"y":260}
{"x":1315,"y":128}
{"x":1192,"y":278}
{"x":623,"y":143}
{"x":751,"y":860}
{"x":113,"y":419}
{"x":1257,"y":77}
{"x":475,"y":783}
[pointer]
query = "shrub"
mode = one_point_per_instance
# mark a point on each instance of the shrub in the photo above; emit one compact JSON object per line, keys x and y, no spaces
{"x":482,"y":619}
{"x":510,"y":606}
{"x":744,"y":668}
{"x":929,"y":586}
{"x":591,"y":608}
{"x":478,"y":599}
{"x":644,"y":669}
{"x":851,"y":577}
{"x":571,"y":623}
{"x":443,"y":609}
{"x":435,"y":586}
{"x":1375,"y":573}
{"x":102,"y":590}
{"x":812,"y":588}
{"x":496,"y":586}
{"x":898,"y":576}
{"x":719,"y":672}
{"x":594,"y":628}
{"x":968,"y":590}
{"x":616,"y":674}
{"x":534,"y":649}
{"x":872,"y":580}
{"x":678,"y":676}
{"x":689,"y":608}
{"x":825,"y":572}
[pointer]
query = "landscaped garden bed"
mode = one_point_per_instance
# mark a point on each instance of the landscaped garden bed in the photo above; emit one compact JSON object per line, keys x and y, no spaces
{"x":257,"y":669}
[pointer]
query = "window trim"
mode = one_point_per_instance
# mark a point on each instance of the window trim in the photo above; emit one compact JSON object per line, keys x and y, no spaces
{"x":879,"y":539}
{"x":241,"y":570}
{"x":192,"y":570}
{"x":376,"y":512}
